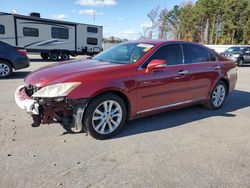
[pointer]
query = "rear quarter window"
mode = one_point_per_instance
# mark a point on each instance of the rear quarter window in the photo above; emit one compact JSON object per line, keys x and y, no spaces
{"x":212,"y":57}
{"x":195,"y":54}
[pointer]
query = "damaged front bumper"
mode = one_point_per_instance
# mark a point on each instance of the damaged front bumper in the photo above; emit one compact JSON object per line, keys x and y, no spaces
{"x":68,"y":112}
{"x":25,"y":102}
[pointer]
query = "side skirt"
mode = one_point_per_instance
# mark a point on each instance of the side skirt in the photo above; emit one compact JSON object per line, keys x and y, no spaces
{"x":171,"y":105}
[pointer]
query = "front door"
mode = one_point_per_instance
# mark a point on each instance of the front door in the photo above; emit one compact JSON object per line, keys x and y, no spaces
{"x":166,"y":87}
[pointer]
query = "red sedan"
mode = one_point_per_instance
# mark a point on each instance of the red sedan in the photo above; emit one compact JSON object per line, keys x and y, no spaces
{"x":128,"y":81}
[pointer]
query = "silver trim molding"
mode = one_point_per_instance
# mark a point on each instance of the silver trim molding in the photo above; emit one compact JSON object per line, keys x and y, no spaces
{"x":170,"y":105}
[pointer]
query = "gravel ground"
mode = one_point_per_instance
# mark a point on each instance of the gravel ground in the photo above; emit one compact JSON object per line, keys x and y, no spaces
{"x":192,"y":147}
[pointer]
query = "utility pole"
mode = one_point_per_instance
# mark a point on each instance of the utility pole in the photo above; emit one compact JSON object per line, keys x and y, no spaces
{"x":94,"y":16}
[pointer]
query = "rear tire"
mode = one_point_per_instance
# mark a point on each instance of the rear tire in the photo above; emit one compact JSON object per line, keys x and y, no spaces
{"x":217,"y":96}
{"x":45,"y":56}
{"x":105,"y":116}
{"x":54,"y":56}
{"x":6,"y":70}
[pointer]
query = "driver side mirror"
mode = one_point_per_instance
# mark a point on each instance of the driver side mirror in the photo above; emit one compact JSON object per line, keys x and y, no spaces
{"x":155,"y":65}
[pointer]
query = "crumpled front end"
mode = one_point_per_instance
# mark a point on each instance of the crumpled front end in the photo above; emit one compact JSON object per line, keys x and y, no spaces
{"x":47,"y":110}
{"x":25,"y":102}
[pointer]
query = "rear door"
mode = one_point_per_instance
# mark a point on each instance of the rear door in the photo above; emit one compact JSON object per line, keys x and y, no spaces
{"x":203,"y":69}
{"x":166,"y":87}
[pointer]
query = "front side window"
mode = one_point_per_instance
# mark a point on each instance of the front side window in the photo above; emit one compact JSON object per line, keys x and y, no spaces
{"x":30,"y":32}
{"x":60,"y":33}
{"x":124,"y":53}
{"x":171,"y":53}
{"x":2,"y":29}
{"x":195,"y":54}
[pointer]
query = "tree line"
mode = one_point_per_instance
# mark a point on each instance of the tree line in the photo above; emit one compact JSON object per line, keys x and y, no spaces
{"x":113,"y":40}
{"x":206,"y":21}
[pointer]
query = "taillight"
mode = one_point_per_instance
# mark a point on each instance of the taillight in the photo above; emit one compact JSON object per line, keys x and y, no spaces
{"x":21,"y":51}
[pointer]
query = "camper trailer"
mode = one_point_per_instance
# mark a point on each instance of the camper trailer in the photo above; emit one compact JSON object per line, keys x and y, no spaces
{"x":51,"y":38}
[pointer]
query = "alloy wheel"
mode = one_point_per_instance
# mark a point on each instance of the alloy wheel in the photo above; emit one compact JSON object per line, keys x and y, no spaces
{"x":218,"y":95}
{"x":4,"y":69}
{"x":107,"y":117}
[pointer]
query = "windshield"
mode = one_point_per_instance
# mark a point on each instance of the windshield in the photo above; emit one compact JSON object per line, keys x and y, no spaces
{"x":125,"y":53}
{"x":235,"y":49}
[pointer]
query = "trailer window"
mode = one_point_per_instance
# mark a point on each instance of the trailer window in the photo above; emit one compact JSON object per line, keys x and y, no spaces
{"x":92,"y":41}
{"x":2,"y":29}
{"x":31,"y":32}
{"x":60,"y":33}
{"x":92,"y":29}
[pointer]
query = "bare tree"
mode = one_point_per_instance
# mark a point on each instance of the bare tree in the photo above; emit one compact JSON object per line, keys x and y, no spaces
{"x":163,"y":22}
{"x":145,"y":32}
{"x":153,"y":15}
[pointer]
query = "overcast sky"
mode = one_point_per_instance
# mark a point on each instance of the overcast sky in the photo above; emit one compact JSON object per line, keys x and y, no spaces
{"x":120,"y":18}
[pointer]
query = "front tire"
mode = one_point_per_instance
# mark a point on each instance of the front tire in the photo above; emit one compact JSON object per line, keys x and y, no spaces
{"x":240,"y":62}
{"x":217,"y":96}
{"x":105,"y":116}
{"x":6,"y":69}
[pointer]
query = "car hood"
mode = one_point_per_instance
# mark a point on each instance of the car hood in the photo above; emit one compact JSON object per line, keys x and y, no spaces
{"x":67,"y":71}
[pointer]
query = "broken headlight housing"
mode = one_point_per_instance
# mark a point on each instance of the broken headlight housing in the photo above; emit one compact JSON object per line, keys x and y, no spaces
{"x":56,"y":90}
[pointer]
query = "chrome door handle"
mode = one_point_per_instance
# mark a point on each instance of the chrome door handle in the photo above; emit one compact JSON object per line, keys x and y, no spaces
{"x":183,"y":72}
{"x":217,"y":67}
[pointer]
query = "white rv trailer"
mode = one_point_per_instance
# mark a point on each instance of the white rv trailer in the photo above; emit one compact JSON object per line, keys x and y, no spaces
{"x":52,"y":38}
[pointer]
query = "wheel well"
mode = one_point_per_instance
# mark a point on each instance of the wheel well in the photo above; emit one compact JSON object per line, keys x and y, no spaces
{"x":226,"y":83}
{"x":124,"y":98}
{"x":6,"y":60}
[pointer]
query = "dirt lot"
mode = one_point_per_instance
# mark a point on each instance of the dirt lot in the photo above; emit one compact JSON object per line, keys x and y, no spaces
{"x":192,"y":147}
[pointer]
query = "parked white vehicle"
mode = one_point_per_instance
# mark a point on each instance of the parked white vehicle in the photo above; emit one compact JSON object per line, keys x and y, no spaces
{"x":54,"y":39}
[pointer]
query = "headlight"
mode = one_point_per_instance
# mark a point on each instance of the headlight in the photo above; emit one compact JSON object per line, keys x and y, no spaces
{"x":236,"y":55}
{"x":57,"y":90}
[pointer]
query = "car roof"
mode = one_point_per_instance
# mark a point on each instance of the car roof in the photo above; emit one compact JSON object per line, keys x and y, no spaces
{"x":160,"y":42}
{"x":239,"y":47}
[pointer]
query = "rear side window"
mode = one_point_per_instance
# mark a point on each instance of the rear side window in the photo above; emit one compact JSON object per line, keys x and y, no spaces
{"x":92,"y":29}
{"x":172,"y":53}
{"x":92,"y":41}
{"x":2,"y":29}
{"x":195,"y":54}
{"x":59,"y":33}
{"x":30,"y":32}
